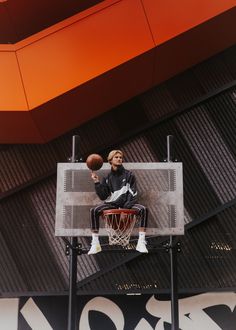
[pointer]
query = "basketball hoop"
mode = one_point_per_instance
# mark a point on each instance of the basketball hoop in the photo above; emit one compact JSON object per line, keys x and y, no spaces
{"x":119,"y":224}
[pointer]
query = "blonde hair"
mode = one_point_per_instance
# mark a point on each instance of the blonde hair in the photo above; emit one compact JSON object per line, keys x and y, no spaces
{"x":113,"y":153}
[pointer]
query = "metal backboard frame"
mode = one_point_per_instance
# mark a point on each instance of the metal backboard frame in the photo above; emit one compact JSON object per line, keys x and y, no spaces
{"x":160,"y":189}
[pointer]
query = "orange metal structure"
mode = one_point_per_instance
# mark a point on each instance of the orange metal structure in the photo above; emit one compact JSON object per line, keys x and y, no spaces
{"x":83,"y":66}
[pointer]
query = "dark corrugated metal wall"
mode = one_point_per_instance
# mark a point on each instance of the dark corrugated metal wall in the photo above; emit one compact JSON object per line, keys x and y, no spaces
{"x":198,"y":107}
{"x":207,"y":262}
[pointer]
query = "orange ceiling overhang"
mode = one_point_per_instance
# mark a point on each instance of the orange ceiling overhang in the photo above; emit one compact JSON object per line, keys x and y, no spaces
{"x":83,"y":66}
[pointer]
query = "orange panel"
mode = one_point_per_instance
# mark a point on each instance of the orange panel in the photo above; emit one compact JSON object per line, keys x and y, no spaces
{"x":12,"y":92}
{"x":84,"y":50}
{"x":79,"y":68}
{"x":170,"y":18}
{"x":66,"y":22}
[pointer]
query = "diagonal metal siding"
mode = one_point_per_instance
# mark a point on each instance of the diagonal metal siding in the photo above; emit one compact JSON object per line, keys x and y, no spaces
{"x":212,"y":251}
{"x":214,"y":73}
{"x":23,"y":163}
{"x":10,"y":278}
{"x":210,"y":150}
{"x":206,"y":262}
{"x":36,"y":255}
{"x":29,"y":246}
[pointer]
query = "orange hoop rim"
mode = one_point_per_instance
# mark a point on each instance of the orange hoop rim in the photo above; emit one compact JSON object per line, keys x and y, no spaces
{"x":119,"y":211}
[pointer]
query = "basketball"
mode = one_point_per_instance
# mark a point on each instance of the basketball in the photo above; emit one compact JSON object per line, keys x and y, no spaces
{"x":94,"y":162}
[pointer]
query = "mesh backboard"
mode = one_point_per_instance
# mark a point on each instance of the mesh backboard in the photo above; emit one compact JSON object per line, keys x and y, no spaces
{"x":160,"y":189}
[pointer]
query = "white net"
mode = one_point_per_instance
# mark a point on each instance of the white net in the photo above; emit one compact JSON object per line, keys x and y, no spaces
{"x":119,"y":224}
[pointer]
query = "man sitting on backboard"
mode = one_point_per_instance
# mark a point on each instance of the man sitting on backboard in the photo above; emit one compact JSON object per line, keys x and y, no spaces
{"x":118,"y":190}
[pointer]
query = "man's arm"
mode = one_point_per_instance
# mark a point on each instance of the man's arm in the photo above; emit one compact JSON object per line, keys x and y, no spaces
{"x":101,"y":188}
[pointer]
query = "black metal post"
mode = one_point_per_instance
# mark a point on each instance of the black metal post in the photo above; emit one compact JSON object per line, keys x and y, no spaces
{"x":170,"y":148}
{"x":73,"y":246}
{"x":174,"y":286}
{"x":72,"y":306}
{"x":173,"y":257}
{"x":75,"y":149}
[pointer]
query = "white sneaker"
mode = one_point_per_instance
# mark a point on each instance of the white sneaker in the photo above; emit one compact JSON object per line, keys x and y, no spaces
{"x":141,"y":246}
{"x":95,"y":248}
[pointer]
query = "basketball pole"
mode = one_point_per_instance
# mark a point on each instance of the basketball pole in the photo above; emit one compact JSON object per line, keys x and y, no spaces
{"x":174,"y":248}
{"x":72,"y":249}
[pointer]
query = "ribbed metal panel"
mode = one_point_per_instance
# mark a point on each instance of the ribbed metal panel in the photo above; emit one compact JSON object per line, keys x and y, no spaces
{"x":211,"y":252}
{"x":158,"y":102}
{"x":138,"y":150}
{"x":213,"y":73}
{"x":185,"y":88}
{"x":206,"y":262}
{"x":222,"y":110}
{"x":28,"y":225}
{"x":10,"y":279}
{"x":179,"y":92}
{"x":96,"y":133}
{"x":210,"y":150}
{"x":22,"y":163}
{"x":29,"y":244}
{"x":199,"y":195}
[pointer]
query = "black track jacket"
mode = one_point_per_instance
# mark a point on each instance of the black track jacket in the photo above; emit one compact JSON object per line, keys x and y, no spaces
{"x":118,"y":188}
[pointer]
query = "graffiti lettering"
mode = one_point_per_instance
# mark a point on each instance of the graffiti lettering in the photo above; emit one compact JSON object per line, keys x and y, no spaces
{"x":105,"y":306}
{"x":191,"y":311}
{"x":34,"y":317}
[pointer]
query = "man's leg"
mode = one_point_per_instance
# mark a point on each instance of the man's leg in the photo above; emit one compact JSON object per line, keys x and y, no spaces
{"x":143,"y":215}
{"x":95,"y":213}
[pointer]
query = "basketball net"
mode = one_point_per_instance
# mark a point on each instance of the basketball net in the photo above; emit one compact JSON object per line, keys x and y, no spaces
{"x":119,"y":224}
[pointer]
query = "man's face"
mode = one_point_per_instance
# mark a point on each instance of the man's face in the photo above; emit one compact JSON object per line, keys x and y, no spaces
{"x":117,"y":160}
